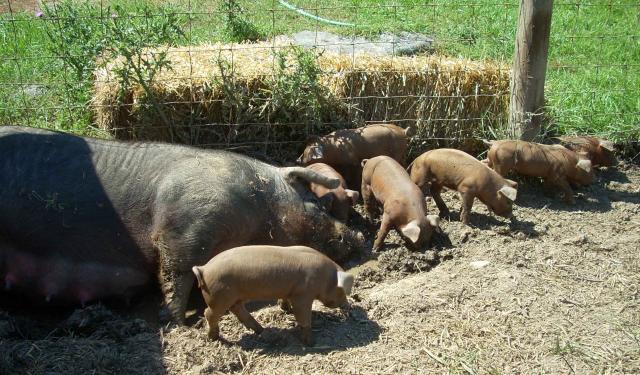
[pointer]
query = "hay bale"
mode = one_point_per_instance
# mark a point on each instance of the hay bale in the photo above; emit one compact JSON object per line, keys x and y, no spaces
{"x":270,"y":97}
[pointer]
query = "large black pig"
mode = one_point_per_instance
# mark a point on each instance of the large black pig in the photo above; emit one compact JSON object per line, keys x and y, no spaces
{"x":82,"y":219}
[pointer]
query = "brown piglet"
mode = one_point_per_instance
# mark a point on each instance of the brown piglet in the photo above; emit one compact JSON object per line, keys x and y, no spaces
{"x":457,"y":170}
{"x":385,"y":181}
{"x":556,"y":164}
{"x":338,"y":200}
{"x":344,"y":149}
{"x":296,"y":274}
{"x":599,"y":151}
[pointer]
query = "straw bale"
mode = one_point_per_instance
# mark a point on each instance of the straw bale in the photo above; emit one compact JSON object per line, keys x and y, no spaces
{"x":256,"y":96}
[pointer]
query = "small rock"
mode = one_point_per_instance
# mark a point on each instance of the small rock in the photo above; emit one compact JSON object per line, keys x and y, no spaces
{"x":477,"y":264}
{"x":578,"y":240}
{"x":520,"y":236}
{"x":34,"y":90}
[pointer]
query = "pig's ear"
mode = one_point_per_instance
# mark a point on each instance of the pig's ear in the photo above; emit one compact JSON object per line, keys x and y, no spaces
{"x":434,"y":221}
{"x":607,"y":145}
{"x":509,"y":193}
{"x":411,"y":231}
{"x":363,"y":162}
{"x":585,"y":165}
{"x":326,"y":201}
{"x":345,"y":282}
{"x":353,"y":195}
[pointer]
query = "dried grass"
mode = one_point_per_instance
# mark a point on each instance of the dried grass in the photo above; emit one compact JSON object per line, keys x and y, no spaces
{"x":232,"y":95}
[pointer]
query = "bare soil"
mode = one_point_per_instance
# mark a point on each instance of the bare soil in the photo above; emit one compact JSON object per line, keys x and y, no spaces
{"x":555,"y":292}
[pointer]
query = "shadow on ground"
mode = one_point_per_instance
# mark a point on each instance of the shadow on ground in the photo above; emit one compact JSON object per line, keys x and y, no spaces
{"x":333,"y":330}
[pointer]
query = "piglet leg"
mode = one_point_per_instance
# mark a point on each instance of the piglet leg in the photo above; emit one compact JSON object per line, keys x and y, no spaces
{"x":385,"y":226}
{"x":435,"y":193}
{"x":467,"y":203}
{"x":369,"y":201}
{"x":564,"y":186}
{"x":213,"y":315}
{"x":243,"y":315}
{"x":302,"y":311}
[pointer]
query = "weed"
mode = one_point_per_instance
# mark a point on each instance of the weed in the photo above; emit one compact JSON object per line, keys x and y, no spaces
{"x":80,"y":35}
{"x":236,"y":27}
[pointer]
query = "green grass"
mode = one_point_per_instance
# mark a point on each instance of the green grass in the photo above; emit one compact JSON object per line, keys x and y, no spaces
{"x":593,"y":77}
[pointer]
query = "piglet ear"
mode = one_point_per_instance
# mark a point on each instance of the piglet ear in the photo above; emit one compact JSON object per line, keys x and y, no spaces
{"x":353,"y":195}
{"x":585,"y":165}
{"x":345,"y":282}
{"x":607,"y":145}
{"x":316,"y":153}
{"x":511,"y":183}
{"x":411,"y":231}
{"x":434,"y":221}
{"x":509,"y":193}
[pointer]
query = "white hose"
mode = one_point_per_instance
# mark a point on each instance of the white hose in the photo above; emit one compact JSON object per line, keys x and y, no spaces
{"x":307,"y":14}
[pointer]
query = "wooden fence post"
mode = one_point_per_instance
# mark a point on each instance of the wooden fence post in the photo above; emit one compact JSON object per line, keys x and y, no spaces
{"x":529,"y":68}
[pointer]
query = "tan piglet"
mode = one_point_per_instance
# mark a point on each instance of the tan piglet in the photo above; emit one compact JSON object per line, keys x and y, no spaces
{"x":296,"y":274}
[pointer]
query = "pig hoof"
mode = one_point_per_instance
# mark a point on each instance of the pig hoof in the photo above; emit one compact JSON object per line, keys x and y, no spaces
{"x":213,"y":336}
{"x":258,"y":330}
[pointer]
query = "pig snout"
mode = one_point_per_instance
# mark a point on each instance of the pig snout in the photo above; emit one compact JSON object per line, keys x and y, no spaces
{"x":338,"y":296}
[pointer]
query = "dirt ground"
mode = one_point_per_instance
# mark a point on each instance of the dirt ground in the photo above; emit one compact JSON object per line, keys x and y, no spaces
{"x":555,"y":292}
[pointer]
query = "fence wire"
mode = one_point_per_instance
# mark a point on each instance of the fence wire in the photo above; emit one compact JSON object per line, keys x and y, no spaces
{"x":223,"y":73}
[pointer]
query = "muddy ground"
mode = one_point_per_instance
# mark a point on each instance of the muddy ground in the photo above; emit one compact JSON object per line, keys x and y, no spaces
{"x":555,"y":292}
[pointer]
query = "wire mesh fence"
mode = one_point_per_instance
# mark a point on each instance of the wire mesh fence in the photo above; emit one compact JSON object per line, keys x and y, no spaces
{"x":261,"y":76}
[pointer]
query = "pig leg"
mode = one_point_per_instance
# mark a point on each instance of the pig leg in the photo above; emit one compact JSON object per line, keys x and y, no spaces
{"x":175,"y":262}
{"x":245,"y":318}
{"x":435,"y":193}
{"x":467,"y":203}
{"x":213,"y":316}
{"x":369,"y":201}
{"x":385,"y":227}
{"x":175,"y":288}
{"x":564,"y":186}
{"x":301,"y":306}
